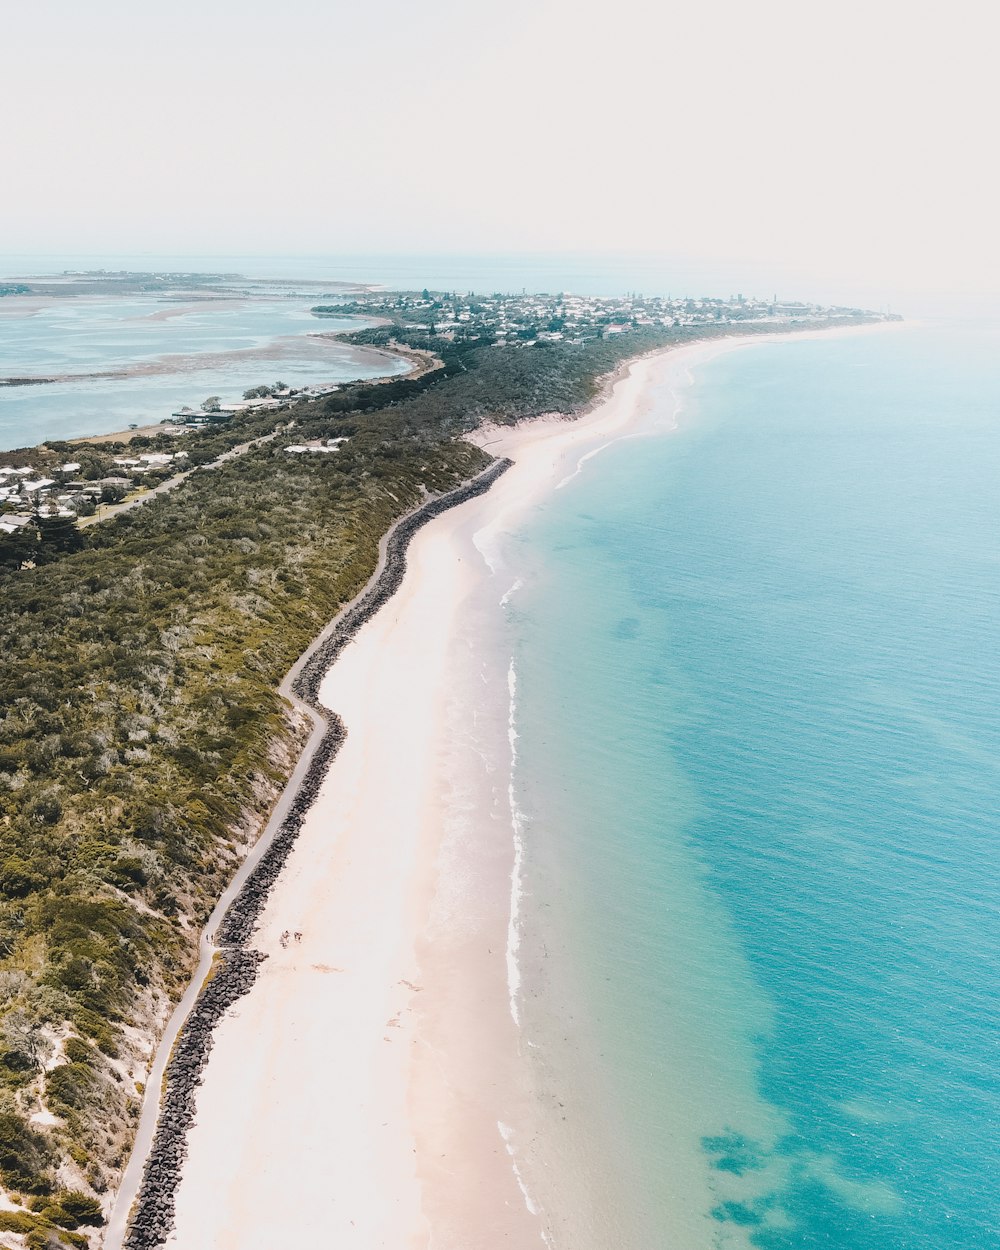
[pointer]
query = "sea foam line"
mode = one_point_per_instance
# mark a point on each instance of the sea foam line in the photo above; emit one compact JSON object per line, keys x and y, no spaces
{"x":513,"y":924}
{"x":581,"y":462}
{"x":516,"y":887}
{"x":505,"y":598}
{"x":507,"y":1133}
{"x":486,"y":543}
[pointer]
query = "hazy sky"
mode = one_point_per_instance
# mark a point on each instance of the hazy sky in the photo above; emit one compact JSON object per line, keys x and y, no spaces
{"x":851,"y":141}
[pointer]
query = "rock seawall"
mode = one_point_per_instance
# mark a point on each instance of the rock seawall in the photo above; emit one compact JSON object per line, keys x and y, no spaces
{"x":236,"y":965}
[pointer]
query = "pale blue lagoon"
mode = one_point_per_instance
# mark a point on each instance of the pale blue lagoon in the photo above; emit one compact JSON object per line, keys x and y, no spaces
{"x":759,"y":717}
{"x":177,"y":352}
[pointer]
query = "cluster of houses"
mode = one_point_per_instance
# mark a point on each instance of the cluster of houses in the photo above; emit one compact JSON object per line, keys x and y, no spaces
{"x":136,"y":466}
{"x":28,"y":492}
{"x":266,"y":399}
{"x":527,"y":319}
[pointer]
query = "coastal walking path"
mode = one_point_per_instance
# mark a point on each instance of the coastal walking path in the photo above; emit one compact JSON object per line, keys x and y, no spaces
{"x":132,"y":1177}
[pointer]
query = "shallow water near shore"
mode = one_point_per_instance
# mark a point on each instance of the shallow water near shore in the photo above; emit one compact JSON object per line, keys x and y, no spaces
{"x":758,"y":718}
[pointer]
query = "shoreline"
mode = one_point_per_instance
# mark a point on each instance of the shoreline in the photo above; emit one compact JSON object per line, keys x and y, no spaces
{"x":420,"y":363}
{"x":143,"y":1202}
{"x":314,"y":343}
{"x":397,"y":874}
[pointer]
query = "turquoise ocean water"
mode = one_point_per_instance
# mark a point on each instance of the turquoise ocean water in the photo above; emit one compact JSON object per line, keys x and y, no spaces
{"x":758,"y":707}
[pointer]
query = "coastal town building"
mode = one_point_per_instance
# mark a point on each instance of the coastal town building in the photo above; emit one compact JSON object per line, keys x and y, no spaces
{"x":10,"y":522}
{"x":524,"y":320}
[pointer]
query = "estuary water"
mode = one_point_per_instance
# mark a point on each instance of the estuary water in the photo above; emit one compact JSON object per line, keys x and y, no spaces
{"x":167,"y":352}
{"x":758,"y":708}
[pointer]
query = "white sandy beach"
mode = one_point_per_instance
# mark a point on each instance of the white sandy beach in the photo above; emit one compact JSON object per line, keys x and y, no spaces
{"x":355,"y":1097}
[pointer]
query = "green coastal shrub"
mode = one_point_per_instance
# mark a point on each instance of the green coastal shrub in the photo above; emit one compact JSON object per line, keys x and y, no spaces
{"x":82,"y":1207}
{"x":66,"y":1212}
{"x":77,"y":1051}
{"x":18,"y":878}
{"x":97,"y":1027}
{"x":16,"y":1060}
{"x":55,"y":1214}
{"x":25,"y":1155}
{"x":68,"y":1086}
{"x":17,"y":1222}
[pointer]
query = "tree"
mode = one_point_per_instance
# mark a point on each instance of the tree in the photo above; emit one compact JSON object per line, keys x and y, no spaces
{"x":212,"y":404}
{"x":58,"y":534}
{"x":17,"y":548}
{"x":83,"y":1208}
{"x":25,"y":1045}
{"x":24,"y":1154}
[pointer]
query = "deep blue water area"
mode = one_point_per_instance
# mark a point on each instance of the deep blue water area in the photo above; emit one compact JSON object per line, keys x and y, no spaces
{"x":760,"y":703}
